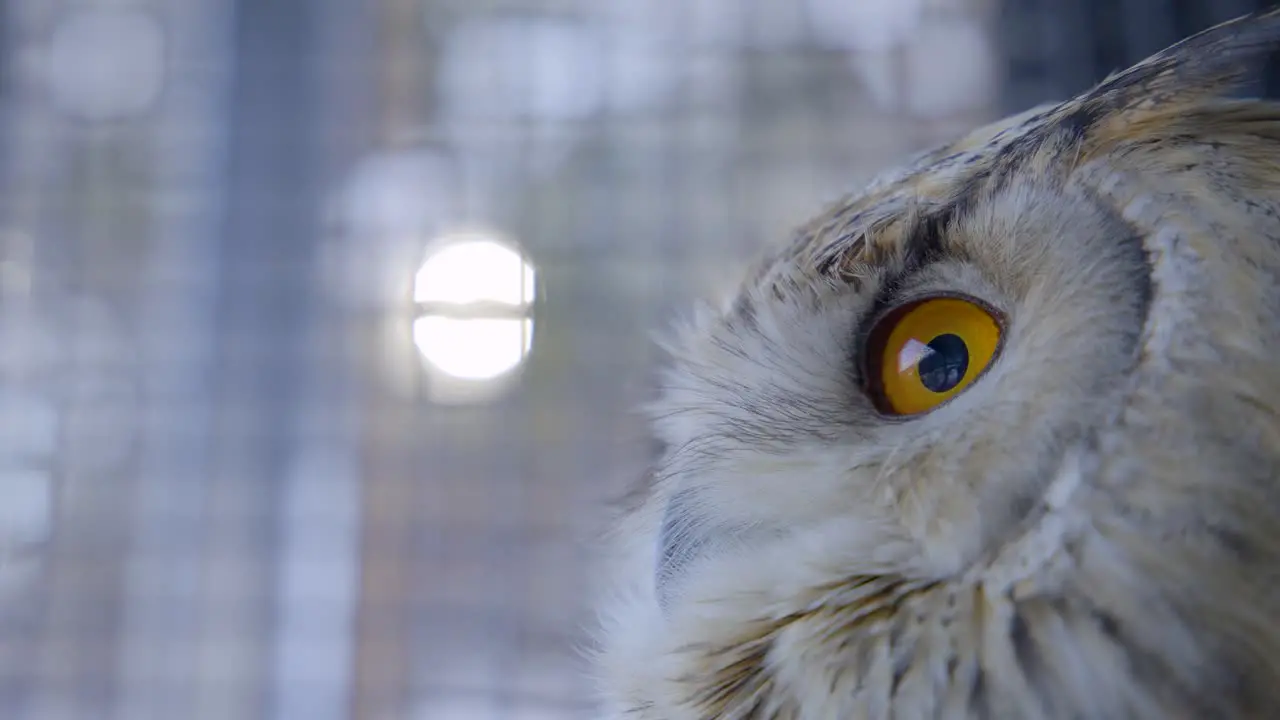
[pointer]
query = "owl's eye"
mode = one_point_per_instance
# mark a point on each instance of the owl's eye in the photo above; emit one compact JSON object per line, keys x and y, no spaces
{"x":923,"y":353}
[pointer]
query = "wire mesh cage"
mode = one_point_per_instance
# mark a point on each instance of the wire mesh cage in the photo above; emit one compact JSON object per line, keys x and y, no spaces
{"x":322,"y":323}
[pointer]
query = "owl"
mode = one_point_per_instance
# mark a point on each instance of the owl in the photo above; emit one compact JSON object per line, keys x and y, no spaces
{"x":997,"y":437}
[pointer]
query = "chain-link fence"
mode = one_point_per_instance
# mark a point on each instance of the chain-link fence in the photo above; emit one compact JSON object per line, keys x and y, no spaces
{"x":323,"y":322}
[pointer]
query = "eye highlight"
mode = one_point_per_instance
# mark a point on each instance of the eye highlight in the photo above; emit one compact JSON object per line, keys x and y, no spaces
{"x":923,"y":353}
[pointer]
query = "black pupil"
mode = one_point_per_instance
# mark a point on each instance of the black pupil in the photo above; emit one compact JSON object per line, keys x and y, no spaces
{"x":944,"y":368}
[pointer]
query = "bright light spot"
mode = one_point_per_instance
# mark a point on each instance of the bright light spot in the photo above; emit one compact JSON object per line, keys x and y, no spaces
{"x":869,"y":25}
{"x":911,"y":355}
{"x":473,"y":348}
{"x":475,"y":271}
{"x":106,"y":64}
{"x":466,"y":270}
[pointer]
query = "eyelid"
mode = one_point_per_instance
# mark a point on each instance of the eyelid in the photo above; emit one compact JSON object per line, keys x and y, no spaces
{"x":902,"y":286}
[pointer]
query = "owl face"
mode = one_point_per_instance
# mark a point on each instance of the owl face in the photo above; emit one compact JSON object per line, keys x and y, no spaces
{"x":1055,"y":334}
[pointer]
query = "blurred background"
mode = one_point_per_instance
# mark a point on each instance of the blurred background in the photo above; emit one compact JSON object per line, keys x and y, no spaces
{"x":323,"y":322}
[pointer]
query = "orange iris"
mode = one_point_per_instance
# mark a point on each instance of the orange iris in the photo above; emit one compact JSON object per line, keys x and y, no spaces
{"x":926,"y":352}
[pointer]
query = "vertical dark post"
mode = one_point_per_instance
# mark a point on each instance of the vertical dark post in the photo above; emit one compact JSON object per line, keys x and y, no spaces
{"x":318,"y":531}
{"x":270,"y":231}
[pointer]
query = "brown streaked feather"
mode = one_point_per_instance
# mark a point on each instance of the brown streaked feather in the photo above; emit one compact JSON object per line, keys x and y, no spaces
{"x":1089,"y":530}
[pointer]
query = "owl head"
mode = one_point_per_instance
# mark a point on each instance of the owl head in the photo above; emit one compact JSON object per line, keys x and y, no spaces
{"x":998,"y":436}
